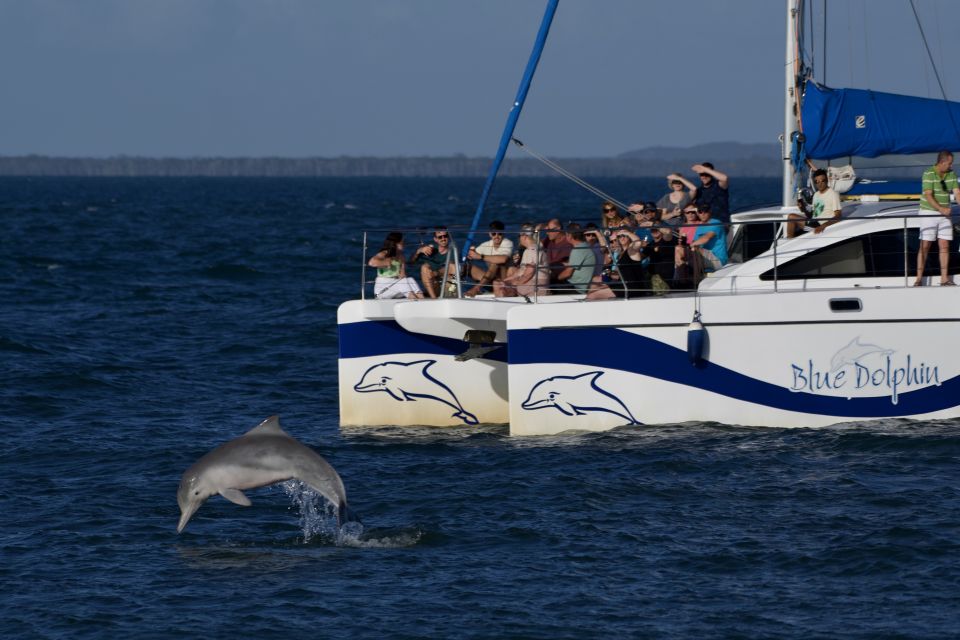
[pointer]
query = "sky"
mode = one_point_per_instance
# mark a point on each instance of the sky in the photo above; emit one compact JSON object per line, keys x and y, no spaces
{"x":299,"y":78}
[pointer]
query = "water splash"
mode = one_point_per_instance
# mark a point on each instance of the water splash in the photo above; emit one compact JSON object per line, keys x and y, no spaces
{"x":318,"y":517}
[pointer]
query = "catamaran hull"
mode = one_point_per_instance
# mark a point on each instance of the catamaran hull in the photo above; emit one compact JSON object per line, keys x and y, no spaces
{"x":391,"y":376}
{"x":797,"y":359}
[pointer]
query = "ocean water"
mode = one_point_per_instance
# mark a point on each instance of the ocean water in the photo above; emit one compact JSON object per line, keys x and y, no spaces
{"x":145,"y":321}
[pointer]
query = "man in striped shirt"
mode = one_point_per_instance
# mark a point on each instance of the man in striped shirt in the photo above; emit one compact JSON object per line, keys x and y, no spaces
{"x":938,"y":181}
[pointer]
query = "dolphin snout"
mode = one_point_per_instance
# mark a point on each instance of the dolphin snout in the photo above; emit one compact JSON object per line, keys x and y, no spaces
{"x":366,"y":387}
{"x":185,"y":516}
{"x":536,"y":404}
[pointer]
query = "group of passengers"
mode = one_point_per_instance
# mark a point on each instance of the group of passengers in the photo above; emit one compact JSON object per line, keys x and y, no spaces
{"x":649,"y":248}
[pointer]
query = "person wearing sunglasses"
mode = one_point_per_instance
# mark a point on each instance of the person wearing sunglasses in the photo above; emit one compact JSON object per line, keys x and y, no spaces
{"x":713,"y":191}
{"x":492,"y":258}
{"x":682,"y":193}
{"x":432,"y":258}
{"x":612,"y":218}
{"x":935,"y":224}
{"x":826,"y":202}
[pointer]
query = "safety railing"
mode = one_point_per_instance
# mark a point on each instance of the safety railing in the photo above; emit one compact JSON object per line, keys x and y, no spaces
{"x":853,"y":252}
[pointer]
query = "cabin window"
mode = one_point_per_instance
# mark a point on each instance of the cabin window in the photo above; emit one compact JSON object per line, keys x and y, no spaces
{"x":751,"y":241}
{"x":874,"y":255}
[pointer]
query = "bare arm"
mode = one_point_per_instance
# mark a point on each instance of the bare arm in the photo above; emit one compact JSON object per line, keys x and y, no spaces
{"x":722,"y":179}
{"x":692,"y":188}
{"x":704,"y":239}
{"x":521,"y":277}
{"x":832,"y":221}
{"x":380,"y":260}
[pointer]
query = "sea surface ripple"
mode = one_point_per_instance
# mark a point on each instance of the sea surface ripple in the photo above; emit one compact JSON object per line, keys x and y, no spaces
{"x":145,"y":321}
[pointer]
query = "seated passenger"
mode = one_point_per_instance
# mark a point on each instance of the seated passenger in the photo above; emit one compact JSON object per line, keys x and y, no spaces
{"x":710,"y":240}
{"x":432,"y":258}
{"x":581,"y":263}
{"x":644,"y":220}
{"x":598,"y":245}
{"x":634,"y":280}
{"x":495,"y":254}
{"x":661,"y":255}
{"x":557,"y":248}
{"x":671,"y":205}
{"x":532,"y":276}
{"x":688,"y":225}
{"x":611,"y":215}
{"x":826,"y":208}
{"x":392,"y":280}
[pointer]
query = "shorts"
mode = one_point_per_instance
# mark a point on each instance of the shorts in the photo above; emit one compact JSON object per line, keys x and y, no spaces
{"x":386,"y":288}
{"x":935,"y":227}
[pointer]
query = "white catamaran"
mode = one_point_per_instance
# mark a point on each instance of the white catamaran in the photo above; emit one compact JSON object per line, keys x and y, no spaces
{"x":814,"y":330}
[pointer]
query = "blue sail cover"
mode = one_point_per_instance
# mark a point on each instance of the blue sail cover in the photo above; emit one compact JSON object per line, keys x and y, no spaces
{"x":858,"y":122}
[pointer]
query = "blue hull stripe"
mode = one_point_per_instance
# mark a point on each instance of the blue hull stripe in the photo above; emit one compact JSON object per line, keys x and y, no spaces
{"x":387,"y":338}
{"x":641,"y":355}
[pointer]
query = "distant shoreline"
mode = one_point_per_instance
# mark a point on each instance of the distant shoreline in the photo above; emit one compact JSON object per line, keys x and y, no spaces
{"x":425,"y":167}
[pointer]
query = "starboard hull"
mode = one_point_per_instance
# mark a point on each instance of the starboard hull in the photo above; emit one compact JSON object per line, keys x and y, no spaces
{"x":776,"y":359}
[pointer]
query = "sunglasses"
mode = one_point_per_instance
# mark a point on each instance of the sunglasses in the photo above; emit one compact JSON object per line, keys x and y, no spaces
{"x":608,"y":210}
{"x":943,"y":185}
{"x":496,"y":233}
{"x":442,"y":237}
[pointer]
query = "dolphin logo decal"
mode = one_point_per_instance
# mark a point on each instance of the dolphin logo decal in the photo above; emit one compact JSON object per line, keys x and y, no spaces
{"x":575,"y":396}
{"x":408,"y":381}
{"x":854,"y":352}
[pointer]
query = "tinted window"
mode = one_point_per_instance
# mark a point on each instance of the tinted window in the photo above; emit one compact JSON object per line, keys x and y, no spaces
{"x":873,"y":255}
{"x":751,"y":241}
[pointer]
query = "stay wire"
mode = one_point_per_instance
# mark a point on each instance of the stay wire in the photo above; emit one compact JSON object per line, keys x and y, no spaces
{"x":566,"y":174}
{"x":936,"y":71}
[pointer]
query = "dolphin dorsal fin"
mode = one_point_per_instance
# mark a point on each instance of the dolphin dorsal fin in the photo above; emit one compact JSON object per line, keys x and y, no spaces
{"x":270,"y":426}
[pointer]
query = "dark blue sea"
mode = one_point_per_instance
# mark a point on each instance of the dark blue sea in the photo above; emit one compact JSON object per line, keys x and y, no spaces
{"x":145,"y":321}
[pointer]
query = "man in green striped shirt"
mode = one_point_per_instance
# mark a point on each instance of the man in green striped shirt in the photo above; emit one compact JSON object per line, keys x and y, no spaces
{"x":935,"y":223}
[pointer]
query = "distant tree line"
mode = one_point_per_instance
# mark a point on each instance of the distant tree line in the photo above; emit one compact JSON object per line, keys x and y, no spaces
{"x":429,"y":167}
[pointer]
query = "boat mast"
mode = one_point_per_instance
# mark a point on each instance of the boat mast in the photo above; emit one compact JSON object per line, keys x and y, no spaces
{"x":513,"y":116}
{"x":791,"y":103}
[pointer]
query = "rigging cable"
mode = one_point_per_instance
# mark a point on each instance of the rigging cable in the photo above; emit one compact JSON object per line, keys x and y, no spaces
{"x":936,"y":72}
{"x":566,"y":174}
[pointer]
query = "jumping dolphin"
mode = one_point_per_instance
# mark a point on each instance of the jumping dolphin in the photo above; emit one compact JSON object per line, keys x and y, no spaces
{"x":853,"y":352}
{"x":575,"y":396}
{"x":407,"y":381}
{"x":264,"y":455}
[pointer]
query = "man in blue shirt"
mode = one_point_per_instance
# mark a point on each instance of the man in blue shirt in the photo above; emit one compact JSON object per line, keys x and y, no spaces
{"x":711,"y":239}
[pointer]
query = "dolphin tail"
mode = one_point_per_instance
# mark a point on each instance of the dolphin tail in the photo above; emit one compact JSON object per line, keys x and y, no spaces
{"x":466,"y":416}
